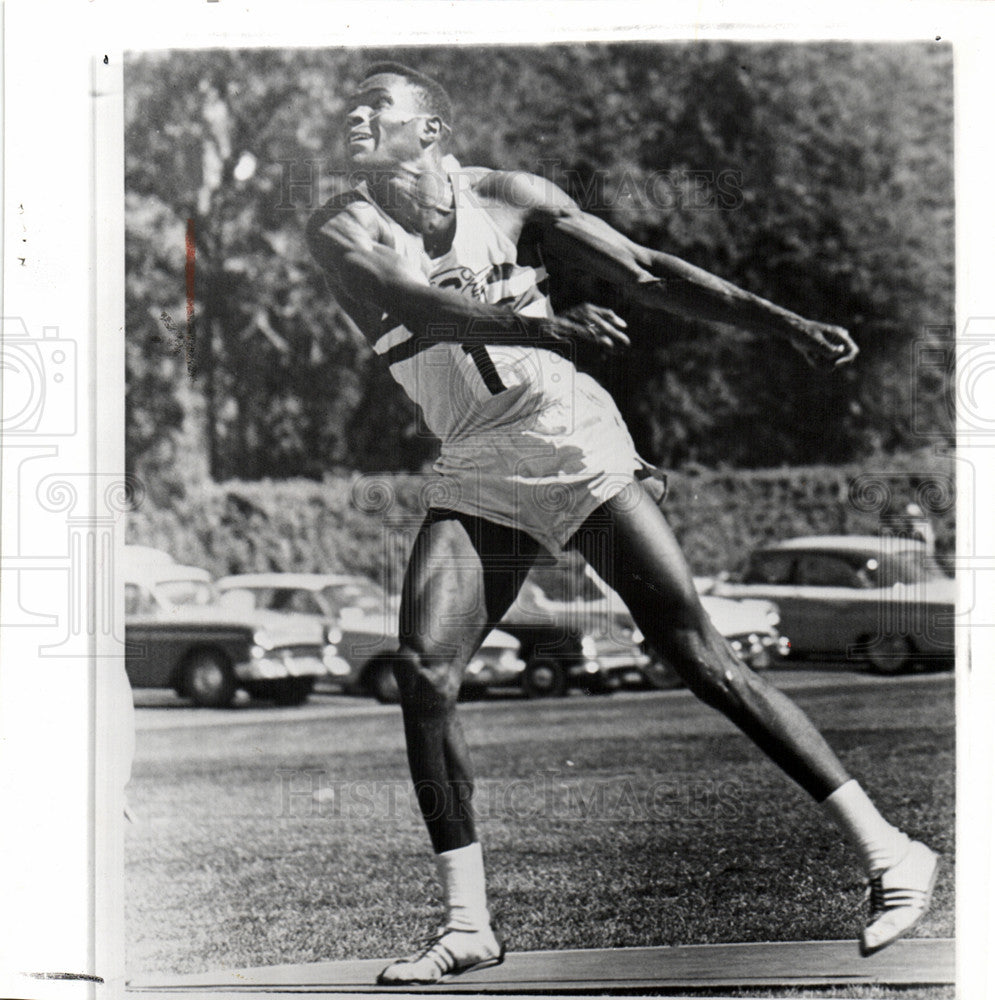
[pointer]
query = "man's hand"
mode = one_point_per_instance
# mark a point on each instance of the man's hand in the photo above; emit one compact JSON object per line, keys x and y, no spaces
{"x":822,"y":344}
{"x":590,"y":324}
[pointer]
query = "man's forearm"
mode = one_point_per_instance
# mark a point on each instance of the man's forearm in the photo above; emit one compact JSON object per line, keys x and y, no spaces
{"x":662,"y":281}
{"x":433,"y":315}
{"x":688,"y":291}
{"x":378,"y":281}
{"x":436,"y":316}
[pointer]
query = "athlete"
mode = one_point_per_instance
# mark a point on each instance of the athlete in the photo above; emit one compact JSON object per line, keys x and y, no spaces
{"x":443,"y":270}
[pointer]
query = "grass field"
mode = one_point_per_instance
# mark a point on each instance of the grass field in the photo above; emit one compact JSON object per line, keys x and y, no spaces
{"x":640,"y":819}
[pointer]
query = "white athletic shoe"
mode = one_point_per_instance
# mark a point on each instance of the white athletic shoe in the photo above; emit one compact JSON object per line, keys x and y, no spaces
{"x":899,"y":896}
{"x":447,"y":954}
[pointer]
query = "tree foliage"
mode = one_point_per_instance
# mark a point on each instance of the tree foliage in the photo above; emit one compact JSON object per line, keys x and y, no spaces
{"x":816,"y":175}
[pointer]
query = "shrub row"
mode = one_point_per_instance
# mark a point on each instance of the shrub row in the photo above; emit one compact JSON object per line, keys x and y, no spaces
{"x":366,"y":524}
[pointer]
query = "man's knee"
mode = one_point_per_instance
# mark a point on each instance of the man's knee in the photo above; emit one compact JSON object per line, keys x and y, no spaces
{"x":711,"y":669}
{"x":427,"y":681}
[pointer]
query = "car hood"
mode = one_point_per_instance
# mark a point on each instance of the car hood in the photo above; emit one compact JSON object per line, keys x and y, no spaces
{"x":281,"y":629}
{"x":733,"y":617}
{"x":352,"y":620}
{"x":500,"y":640}
{"x":355,"y":620}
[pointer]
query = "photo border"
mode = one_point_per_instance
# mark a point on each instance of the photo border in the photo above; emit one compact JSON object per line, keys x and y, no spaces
{"x":68,"y":176}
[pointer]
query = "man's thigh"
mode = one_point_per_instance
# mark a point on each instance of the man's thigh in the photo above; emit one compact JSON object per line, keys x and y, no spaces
{"x":462,"y":576}
{"x":632,"y":547}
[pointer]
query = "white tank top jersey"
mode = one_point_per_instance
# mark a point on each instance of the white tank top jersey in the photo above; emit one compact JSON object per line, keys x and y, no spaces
{"x":527,"y":440}
{"x":464,"y":391}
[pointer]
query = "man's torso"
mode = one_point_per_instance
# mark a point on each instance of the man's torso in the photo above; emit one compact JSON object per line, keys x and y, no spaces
{"x":463,"y":390}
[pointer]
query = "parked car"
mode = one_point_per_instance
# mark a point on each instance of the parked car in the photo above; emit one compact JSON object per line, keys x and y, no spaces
{"x":363,"y":618}
{"x":753,"y":628}
{"x":178,"y":636}
{"x":594,"y":645}
{"x":578,"y":643}
{"x":881,"y":600}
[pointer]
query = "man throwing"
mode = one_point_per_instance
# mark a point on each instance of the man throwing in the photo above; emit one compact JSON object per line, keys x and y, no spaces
{"x":442,"y":269}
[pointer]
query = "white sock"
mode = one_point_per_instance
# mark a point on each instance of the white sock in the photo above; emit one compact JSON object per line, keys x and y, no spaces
{"x":879,"y":844}
{"x":461,"y":873}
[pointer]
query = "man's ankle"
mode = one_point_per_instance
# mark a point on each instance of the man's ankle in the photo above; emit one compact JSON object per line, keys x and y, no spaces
{"x":461,"y":873}
{"x":879,"y":844}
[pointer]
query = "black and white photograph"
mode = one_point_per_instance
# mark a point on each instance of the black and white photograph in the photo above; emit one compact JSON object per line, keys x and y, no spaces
{"x":545,"y":543}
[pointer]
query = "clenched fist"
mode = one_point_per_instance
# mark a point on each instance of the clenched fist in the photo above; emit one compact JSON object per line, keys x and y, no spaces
{"x":822,"y":344}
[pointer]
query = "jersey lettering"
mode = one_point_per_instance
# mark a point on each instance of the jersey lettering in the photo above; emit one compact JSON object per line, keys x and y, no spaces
{"x":463,"y":280}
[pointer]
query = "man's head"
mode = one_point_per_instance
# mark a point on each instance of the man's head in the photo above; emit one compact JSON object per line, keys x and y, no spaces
{"x":395,"y":115}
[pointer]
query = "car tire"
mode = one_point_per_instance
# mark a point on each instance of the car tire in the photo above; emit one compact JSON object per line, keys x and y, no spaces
{"x":471,"y":691}
{"x":660,"y":675}
{"x":599,"y":685}
{"x":544,"y":678}
{"x":208,"y":679}
{"x":293,"y":691}
{"x":287,"y":691}
{"x":380,"y":681}
{"x":889,"y":654}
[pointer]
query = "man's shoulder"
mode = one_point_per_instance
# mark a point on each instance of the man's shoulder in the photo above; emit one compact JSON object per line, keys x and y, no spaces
{"x":522,"y":190}
{"x":343,"y":208}
{"x":473,"y":176}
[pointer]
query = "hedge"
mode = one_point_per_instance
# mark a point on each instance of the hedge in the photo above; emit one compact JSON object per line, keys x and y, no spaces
{"x":365,"y":524}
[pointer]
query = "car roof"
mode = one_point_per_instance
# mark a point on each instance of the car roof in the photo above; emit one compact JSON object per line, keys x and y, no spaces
{"x":847,"y":543}
{"x":165,"y":573}
{"x":304,"y":581}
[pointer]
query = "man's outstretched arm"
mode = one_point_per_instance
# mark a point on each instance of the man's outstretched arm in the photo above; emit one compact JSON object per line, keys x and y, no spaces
{"x":661,"y":281}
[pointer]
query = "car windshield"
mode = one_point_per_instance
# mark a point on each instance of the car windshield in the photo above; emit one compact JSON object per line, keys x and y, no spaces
{"x":769,"y":568}
{"x":863,"y":570}
{"x":830,"y":569}
{"x":362,"y":594}
{"x":185,"y":592}
{"x":296,"y":600}
{"x":853,"y":569}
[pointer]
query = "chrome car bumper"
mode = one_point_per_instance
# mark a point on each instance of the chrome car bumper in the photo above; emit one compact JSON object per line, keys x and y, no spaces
{"x":616,"y":664}
{"x":760,"y":652}
{"x":506,"y":668}
{"x":274,"y":664}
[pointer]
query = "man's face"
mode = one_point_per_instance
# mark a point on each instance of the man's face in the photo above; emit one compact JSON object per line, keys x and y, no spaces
{"x":384,"y":122}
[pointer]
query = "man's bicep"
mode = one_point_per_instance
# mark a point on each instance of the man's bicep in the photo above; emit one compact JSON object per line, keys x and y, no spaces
{"x":537,"y":195}
{"x":546,"y":202}
{"x":590,"y":243}
{"x":573,"y":235}
{"x":591,"y":229}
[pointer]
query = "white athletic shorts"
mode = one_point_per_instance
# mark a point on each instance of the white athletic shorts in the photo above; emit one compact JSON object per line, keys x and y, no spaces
{"x":545,"y":473}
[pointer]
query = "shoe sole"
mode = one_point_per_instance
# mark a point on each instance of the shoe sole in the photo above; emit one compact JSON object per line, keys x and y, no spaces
{"x":867,"y":952}
{"x":486,"y":963}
